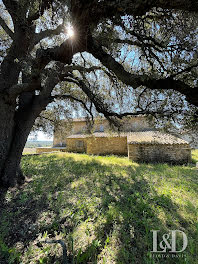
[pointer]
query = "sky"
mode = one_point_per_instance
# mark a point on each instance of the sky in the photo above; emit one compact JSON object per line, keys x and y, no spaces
{"x":43,"y":137}
{"x":40,"y":137}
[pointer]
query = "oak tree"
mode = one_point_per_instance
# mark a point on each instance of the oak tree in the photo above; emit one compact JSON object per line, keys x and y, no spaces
{"x":146,"y":49}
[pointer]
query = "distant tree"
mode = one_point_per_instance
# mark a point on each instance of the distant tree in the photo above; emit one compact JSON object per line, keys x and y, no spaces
{"x":145,"y":51}
{"x":33,"y":137}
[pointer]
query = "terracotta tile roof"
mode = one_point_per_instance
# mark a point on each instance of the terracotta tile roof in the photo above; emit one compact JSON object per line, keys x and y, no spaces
{"x":154,"y":137}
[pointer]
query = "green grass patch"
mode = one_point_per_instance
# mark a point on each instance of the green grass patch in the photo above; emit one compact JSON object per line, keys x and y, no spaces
{"x":104,"y":208}
{"x":195,"y":156}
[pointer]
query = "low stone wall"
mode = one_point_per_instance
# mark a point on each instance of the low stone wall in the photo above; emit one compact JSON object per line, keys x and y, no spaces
{"x":176,"y":153}
{"x":107,"y":145}
{"x":41,"y":150}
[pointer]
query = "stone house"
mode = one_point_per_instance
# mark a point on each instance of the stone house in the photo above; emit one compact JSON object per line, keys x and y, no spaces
{"x":79,"y":126}
{"x":154,"y":146}
{"x":138,"y":140}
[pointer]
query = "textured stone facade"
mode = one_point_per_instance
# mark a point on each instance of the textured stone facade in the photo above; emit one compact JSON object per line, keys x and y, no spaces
{"x":98,"y":145}
{"x":80,"y":126}
{"x":107,"y":145}
{"x":171,"y":153}
{"x":78,"y":145}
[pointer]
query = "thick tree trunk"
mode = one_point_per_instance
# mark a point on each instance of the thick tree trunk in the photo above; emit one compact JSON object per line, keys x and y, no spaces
{"x":11,"y":172}
{"x":16,"y":127}
{"x":7,"y":113}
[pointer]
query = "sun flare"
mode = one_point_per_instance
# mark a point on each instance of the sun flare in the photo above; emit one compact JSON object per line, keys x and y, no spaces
{"x":70,"y":31}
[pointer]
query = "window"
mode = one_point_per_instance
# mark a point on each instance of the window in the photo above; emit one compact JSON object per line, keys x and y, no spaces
{"x":101,"y":128}
{"x":63,"y":144}
{"x":79,"y":144}
{"x":84,"y":129}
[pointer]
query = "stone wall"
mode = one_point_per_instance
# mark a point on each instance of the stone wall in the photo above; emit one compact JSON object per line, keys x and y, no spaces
{"x":61,"y":132}
{"x":78,"y":127}
{"x":76,"y":145}
{"x":42,"y":150}
{"x":59,"y":140}
{"x":176,"y":153}
{"x":107,"y":145}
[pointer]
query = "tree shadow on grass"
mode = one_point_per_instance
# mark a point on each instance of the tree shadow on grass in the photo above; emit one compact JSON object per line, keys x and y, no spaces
{"x":129,"y":215}
{"x":3,"y":192}
{"x":102,"y":211}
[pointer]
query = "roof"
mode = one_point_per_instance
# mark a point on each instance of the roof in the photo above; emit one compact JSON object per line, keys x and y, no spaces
{"x":146,"y":137}
{"x":78,"y":136}
{"x":99,"y":134}
{"x":154,"y":137}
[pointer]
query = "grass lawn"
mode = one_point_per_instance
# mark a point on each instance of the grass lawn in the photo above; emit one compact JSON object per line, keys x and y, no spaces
{"x":104,"y":208}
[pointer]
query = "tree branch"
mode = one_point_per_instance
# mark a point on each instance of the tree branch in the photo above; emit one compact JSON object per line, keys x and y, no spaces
{"x":48,"y":33}
{"x":103,"y":108}
{"x":17,"y":89}
{"x":135,"y":43}
{"x":71,"y":97}
{"x":135,"y":80}
{"x":138,"y":7}
{"x":6,"y":28}
{"x":12,"y":7}
{"x":45,"y":4}
{"x":188,"y":69}
{"x":63,"y":53}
